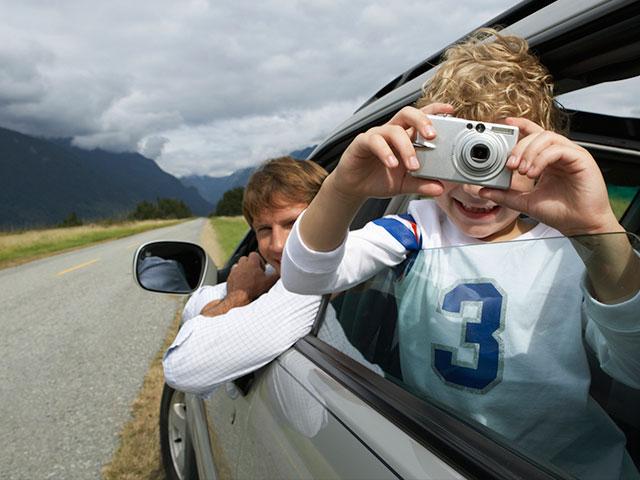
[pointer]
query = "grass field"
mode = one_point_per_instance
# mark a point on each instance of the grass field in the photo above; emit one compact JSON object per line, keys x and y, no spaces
{"x":17,"y":248}
{"x":620,"y":197}
{"x":229,"y":231}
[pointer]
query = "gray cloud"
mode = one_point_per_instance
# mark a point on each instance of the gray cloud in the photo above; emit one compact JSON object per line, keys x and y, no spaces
{"x":208,"y":87}
{"x":153,"y":146}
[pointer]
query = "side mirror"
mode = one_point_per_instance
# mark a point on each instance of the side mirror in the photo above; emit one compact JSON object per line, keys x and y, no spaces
{"x":171,"y":267}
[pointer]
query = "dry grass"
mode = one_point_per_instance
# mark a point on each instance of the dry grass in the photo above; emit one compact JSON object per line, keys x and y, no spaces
{"x":22,"y":247}
{"x":138,"y":455}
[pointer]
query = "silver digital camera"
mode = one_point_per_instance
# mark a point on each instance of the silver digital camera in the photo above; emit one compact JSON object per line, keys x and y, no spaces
{"x":466,"y":151}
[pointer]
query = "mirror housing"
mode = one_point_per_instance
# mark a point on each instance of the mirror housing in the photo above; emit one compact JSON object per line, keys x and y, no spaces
{"x":172,"y":267}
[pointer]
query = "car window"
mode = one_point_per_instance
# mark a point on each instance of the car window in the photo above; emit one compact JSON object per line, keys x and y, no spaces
{"x":611,"y":98}
{"x":620,"y":197}
{"x":509,"y":345}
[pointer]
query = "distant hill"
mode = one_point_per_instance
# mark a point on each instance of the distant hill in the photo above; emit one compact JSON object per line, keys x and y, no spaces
{"x":42,"y":181}
{"x":212,"y":188}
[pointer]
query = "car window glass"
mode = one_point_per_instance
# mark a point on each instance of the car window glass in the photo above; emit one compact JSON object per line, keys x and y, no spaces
{"x":507,"y":343}
{"x":611,"y":98}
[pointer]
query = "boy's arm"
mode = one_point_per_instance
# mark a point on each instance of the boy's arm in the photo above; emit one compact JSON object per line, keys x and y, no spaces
{"x":570,"y":195}
{"x":613,"y":332}
{"x":376,"y":164}
{"x":613,"y":267}
{"x":363,"y":253}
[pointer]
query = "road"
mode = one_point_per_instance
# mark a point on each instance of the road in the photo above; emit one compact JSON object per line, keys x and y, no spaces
{"x":77,"y":338}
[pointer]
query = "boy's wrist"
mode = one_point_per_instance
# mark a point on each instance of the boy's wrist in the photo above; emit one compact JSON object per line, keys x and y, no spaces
{"x":607,"y":225}
{"x":333,"y":188}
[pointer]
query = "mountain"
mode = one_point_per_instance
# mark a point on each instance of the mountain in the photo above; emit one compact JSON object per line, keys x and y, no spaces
{"x":43,"y":181}
{"x":212,"y":188}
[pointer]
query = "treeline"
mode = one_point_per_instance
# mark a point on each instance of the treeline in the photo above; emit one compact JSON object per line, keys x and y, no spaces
{"x":230,"y":205}
{"x":163,"y":208}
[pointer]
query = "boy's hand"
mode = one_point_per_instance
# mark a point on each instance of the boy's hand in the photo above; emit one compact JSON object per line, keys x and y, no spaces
{"x":570,"y":194}
{"x":377,"y":162}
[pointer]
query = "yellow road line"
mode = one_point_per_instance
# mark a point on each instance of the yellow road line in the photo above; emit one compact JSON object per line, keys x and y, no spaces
{"x":82,"y":265}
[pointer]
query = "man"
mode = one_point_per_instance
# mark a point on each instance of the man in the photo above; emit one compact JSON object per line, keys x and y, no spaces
{"x":250,"y":327}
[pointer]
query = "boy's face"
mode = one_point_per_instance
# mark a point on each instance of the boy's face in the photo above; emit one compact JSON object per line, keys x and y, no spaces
{"x":273,"y":225}
{"x":480,"y":218}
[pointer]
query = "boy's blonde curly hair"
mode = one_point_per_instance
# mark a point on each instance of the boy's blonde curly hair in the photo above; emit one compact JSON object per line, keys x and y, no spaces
{"x":488,"y":80}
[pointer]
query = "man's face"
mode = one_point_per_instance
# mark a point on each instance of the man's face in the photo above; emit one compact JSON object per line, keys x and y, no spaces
{"x":273,"y":225}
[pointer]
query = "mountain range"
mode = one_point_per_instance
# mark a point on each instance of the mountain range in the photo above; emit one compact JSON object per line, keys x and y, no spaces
{"x":212,"y":188}
{"x":43,"y":181}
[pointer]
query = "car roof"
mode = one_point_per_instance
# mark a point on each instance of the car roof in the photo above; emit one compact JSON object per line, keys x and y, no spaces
{"x":582,"y":43}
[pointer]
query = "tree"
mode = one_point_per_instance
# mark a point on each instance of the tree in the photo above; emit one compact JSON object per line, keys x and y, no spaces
{"x":144,"y":211}
{"x":231,"y":203}
{"x":165,"y":208}
{"x":71,"y":220}
{"x":173,"y":208}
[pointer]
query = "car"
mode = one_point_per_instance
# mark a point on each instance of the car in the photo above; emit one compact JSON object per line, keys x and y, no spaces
{"x":325,"y":410}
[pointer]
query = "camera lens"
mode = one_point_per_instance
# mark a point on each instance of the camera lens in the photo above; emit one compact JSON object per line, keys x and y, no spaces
{"x":470,"y":126}
{"x":480,"y":152}
{"x":480,"y":127}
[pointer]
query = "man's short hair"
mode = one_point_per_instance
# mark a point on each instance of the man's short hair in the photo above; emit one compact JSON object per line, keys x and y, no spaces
{"x":491,"y":76}
{"x":280,"y":182}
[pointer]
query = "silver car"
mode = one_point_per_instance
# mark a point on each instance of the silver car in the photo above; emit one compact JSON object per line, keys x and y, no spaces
{"x":327,"y":409}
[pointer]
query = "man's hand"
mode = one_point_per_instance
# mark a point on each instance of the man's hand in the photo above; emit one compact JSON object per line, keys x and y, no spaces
{"x":247,"y":281}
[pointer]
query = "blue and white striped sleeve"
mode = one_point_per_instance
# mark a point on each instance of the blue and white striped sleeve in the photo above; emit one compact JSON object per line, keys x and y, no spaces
{"x":382,"y":243}
{"x":402,"y":228}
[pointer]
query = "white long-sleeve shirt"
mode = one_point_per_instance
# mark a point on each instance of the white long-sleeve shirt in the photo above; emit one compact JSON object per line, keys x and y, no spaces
{"x":488,"y":328}
{"x":209,"y":351}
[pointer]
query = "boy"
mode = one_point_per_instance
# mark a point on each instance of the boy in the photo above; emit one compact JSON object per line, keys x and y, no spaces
{"x":527,"y":334}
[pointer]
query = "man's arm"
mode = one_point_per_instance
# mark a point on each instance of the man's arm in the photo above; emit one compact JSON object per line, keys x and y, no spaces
{"x":210,"y":351}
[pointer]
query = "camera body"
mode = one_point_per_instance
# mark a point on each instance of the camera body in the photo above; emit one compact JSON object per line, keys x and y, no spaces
{"x":467,"y":151}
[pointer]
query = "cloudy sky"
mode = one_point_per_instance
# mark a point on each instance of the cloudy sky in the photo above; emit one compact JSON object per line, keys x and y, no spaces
{"x":208,"y":87}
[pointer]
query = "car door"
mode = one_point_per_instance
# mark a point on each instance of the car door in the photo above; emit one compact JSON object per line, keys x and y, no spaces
{"x":226,"y":412}
{"x":305,"y":424}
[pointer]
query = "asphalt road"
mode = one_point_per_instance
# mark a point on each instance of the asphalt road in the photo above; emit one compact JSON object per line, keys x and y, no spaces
{"x":77,"y":338}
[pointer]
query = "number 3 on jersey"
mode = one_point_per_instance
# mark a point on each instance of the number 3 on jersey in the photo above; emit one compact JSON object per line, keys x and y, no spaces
{"x":481,"y":333}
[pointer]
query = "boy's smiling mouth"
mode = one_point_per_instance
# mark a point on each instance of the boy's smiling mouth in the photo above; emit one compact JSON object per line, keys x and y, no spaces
{"x":474,"y":211}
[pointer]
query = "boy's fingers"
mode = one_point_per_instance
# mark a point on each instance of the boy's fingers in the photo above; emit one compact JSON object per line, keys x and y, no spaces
{"x":526,"y":126}
{"x":421,"y":186}
{"x":381,"y":149}
{"x":400,"y":142}
{"x":507,"y":198}
{"x":437,"y":108}
{"x":563,"y":155}
{"x":410,"y":117}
